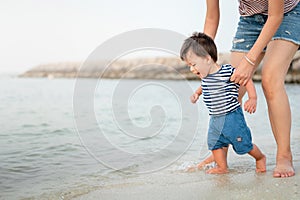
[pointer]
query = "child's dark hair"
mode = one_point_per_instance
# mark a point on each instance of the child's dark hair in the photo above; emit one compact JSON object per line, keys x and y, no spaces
{"x":201,"y":45}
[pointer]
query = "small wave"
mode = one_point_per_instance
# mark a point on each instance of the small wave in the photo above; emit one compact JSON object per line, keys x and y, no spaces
{"x":28,"y":125}
{"x":58,"y":131}
{"x":42,"y":125}
{"x":61,"y":148}
{"x":191,"y":166}
{"x":186,"y":166}
{"x":128,"y":170}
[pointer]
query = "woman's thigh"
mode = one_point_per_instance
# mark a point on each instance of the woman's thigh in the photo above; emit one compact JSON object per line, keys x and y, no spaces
{"x":278,"y":57}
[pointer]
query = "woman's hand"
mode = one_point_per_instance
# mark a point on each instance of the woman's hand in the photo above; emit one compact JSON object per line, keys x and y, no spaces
{"x":243,"y":73}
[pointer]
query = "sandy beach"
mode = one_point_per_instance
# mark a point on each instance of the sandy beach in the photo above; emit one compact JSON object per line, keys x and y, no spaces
{"x":174,"y":183}
{"x":238,"y":184}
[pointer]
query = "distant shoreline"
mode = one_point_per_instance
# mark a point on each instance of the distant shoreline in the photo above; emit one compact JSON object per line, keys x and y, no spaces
{"x":165,"y":68}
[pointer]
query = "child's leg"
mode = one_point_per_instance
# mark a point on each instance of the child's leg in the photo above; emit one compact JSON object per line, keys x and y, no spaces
{"x":259,"y":157}
{"x":220,"y":158}
{"x":210,"y":159}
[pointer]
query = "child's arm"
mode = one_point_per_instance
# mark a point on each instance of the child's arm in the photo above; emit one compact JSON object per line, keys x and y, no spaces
{"x":196,"y":95}
{"x":250,"y":104}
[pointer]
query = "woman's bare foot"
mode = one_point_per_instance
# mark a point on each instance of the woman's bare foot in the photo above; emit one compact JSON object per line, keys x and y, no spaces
{"x":284,"y":168}
{"x":217,"y":170}
{"x":261,"y":165}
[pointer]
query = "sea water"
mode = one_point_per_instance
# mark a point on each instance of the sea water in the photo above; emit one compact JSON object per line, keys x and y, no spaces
{"x":65,"y":137}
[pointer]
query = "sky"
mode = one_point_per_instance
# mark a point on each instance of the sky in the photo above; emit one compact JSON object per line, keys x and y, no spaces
{"x":37,"y":32}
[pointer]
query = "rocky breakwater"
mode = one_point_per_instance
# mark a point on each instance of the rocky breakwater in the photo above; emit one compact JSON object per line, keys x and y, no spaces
{"x":140,"y":68}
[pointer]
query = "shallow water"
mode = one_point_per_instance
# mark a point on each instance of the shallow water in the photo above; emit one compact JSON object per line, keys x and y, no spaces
{"x":57,"y":144}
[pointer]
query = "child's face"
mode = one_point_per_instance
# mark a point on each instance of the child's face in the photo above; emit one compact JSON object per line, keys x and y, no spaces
{"x":198,"y":65}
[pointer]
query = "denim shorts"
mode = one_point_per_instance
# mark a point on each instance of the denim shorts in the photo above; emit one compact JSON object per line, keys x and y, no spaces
{"x":230,"y":129}
{"x":249,"y":28}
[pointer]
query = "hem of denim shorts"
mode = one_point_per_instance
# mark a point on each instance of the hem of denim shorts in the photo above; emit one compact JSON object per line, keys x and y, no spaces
{"x":239,"y":50}
{"x":286,"y":39}
{"x":243,"y":51}
{"x":244,"y":152}
{"x":215,"y":148}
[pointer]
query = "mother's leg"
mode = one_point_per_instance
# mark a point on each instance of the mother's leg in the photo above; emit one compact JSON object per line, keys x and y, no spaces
{"x":277,"y":60}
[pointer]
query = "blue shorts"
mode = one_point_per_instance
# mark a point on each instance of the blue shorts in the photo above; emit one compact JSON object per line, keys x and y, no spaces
{"x":230,"y":129}
{"x":249,"y":28}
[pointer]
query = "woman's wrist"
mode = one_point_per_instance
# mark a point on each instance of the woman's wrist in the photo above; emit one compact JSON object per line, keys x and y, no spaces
{"x":250,"y":61}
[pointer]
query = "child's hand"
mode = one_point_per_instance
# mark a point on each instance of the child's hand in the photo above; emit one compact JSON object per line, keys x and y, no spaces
{"x":250,"y":105}
{"x":194,"y":97}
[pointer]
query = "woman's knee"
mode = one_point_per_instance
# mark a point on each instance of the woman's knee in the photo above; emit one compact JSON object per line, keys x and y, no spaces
{"x":266,"y":84}
{"x":271,"y":85}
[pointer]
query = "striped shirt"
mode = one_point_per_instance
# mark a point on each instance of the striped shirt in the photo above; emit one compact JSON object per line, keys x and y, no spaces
{"x":252,"y":7}
{"x":220,"y":94}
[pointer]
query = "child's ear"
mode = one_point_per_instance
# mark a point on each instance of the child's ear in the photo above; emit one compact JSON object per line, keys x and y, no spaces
{"x":209,"y":60}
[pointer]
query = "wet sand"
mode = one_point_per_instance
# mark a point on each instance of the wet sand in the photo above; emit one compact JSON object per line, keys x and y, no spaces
{"x":240,"y":183}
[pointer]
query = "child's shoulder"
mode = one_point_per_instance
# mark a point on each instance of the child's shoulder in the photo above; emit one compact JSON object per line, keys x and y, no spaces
{"x":227,"y":68}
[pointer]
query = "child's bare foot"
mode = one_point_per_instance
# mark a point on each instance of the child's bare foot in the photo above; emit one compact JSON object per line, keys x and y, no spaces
{"x":201,"y":165}
{"x":217,"y":170}
{"x":284,"y":168}
{"x":205,"y":162}
{"x":261,"y":165}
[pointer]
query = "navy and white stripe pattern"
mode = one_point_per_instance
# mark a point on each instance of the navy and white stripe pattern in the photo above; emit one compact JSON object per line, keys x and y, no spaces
{"x":220,"y":94}
{"x":252,"y":7}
